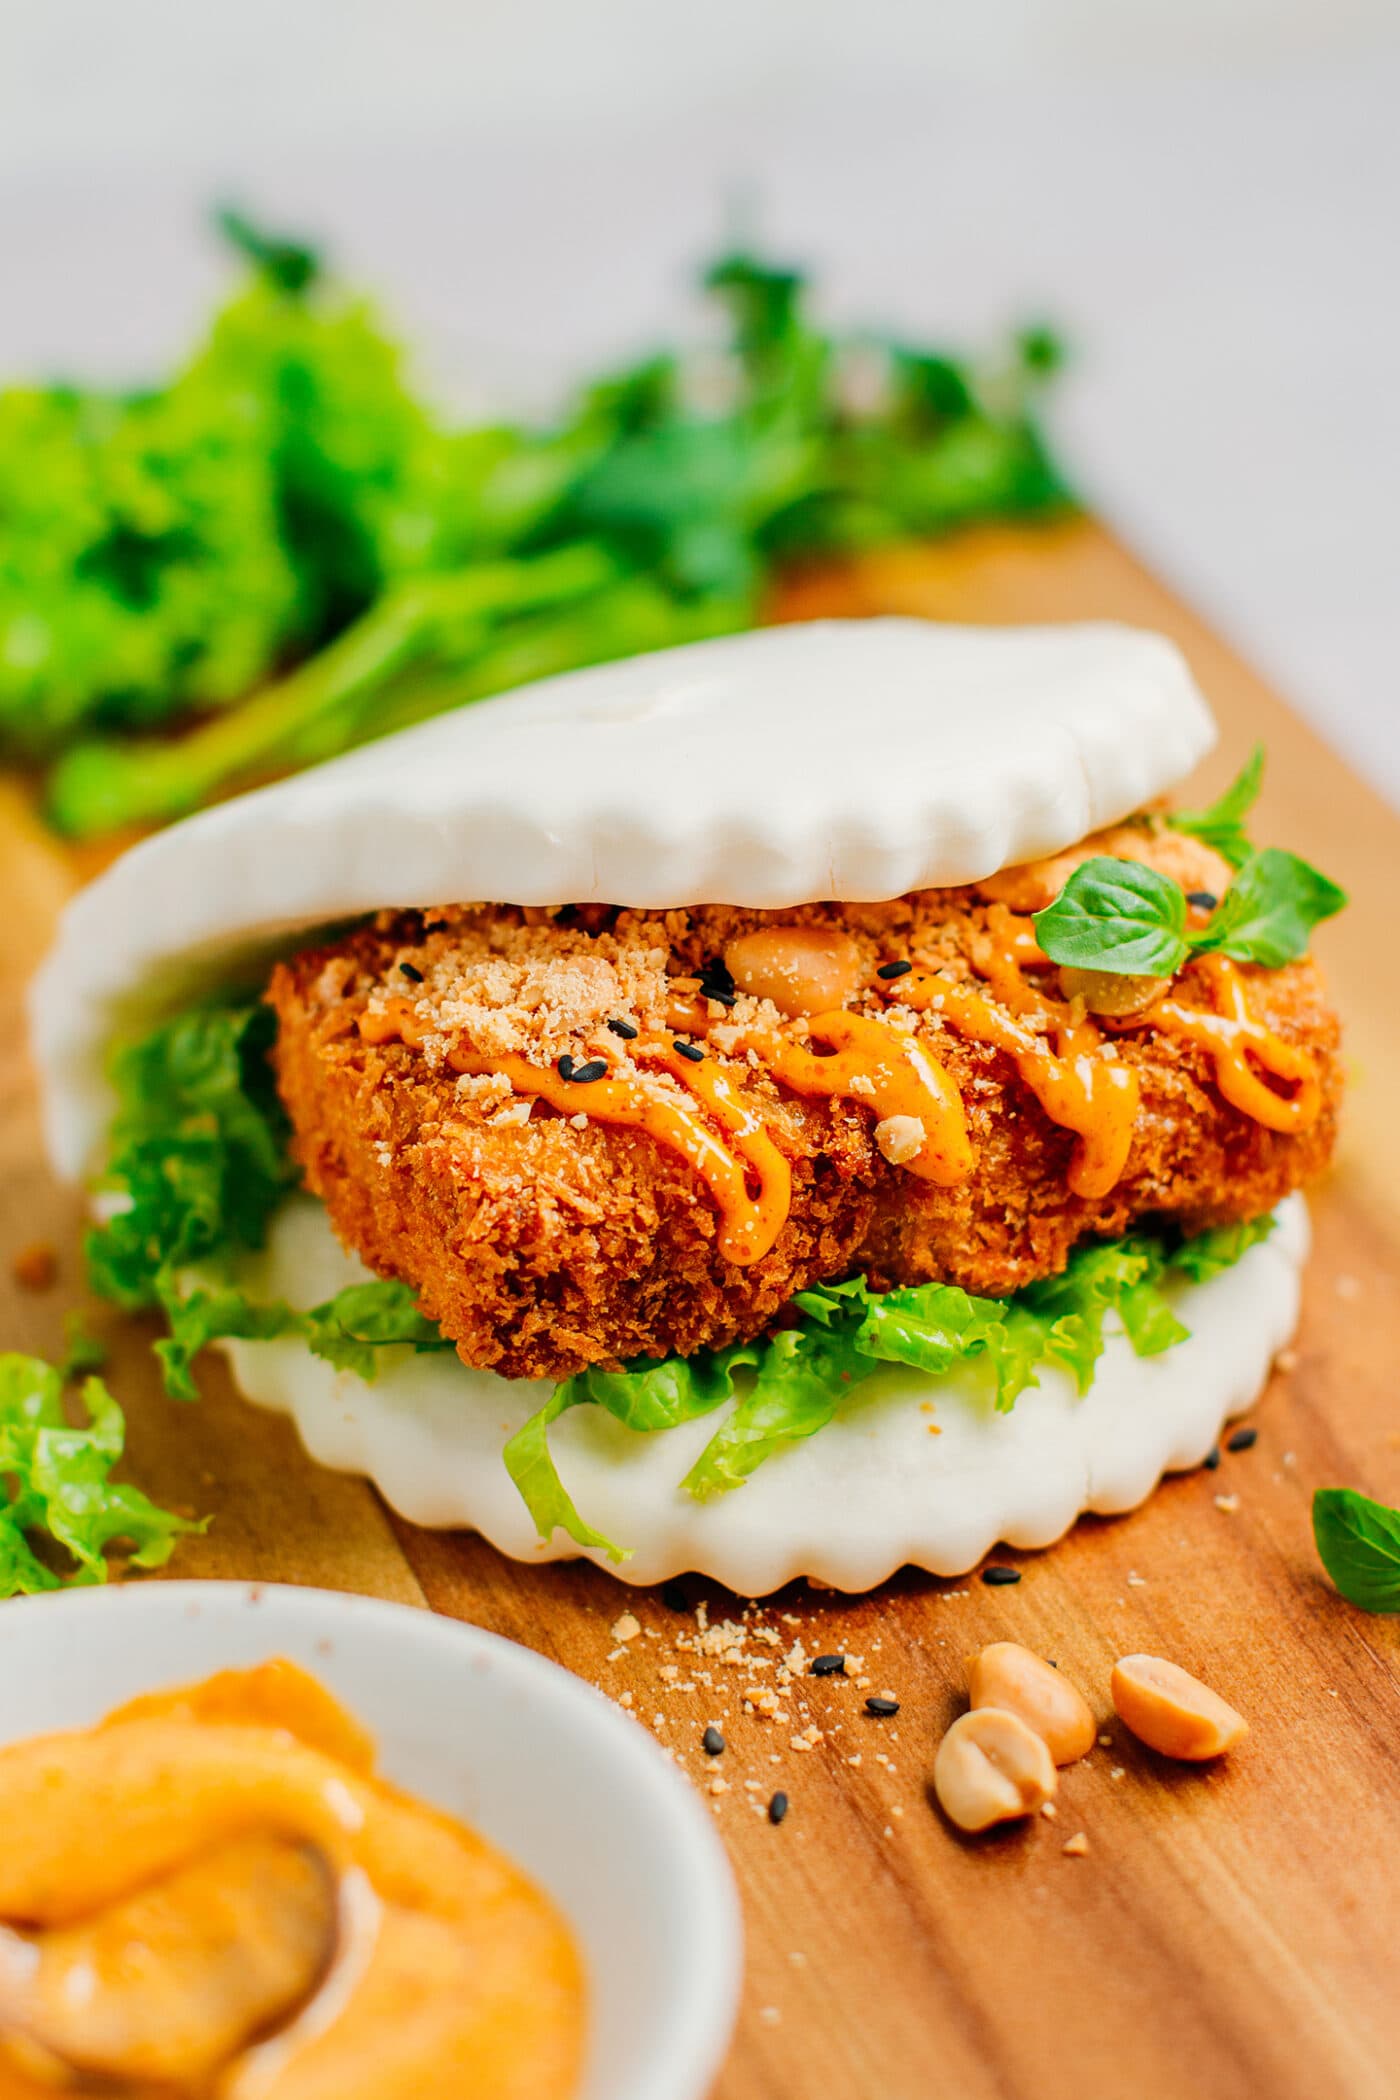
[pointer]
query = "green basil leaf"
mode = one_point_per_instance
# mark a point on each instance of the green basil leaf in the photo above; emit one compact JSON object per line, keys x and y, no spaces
{"x":1116,"y":915}
{"x":1222,"y":824}
{"x":1270,"y":909}
{"x":1359,"y":1542}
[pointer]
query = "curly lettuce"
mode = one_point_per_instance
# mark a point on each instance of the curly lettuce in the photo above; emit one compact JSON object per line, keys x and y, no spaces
{"x":199,"y":1165}
{"x":197,"y":1168}
{"x":791,"y":1384}
{"x":61,"y":1495}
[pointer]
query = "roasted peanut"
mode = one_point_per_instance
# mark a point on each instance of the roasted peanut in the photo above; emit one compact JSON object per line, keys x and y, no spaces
{"x":900,"y":1139}
{"x":1171,"y":1711}
{"x":1106,"y":992}
{"x":990,"y":1768}
{"x":802,"y":969}
{"x":1009,"y":1676}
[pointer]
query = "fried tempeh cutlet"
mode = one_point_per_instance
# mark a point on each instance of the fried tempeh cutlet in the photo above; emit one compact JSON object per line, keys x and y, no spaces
{"x":431,"y":1063}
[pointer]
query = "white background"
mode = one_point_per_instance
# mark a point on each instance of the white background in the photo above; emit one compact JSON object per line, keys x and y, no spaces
{"x":1205,"y":194}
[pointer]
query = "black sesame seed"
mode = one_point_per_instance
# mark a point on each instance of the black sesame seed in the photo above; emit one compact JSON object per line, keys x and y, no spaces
{"x":1206,"y":899}
{"x":674,"y":1598}
{"x":882,"y":1708}
{"x":717,"y":982}
{"x":436,"y":926}
{"x":407,"y":970}
{"x":690,"y":1050}
{"x":565,"y":1066}
{"x":712,"y":1743}
{"x":899,"y":969}
{"x":1211,"y":1459}
{"x":1243,"y":1440}
{"x":624,"y":1029}
{"x":828,"y":1666}
{"x":997,"y":1578}
{"x":777,"y":1808}
{"x":584,"y":1075}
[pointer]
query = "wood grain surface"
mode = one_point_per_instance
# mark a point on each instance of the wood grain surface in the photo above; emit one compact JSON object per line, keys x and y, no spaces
{"x":1230,"y":1932}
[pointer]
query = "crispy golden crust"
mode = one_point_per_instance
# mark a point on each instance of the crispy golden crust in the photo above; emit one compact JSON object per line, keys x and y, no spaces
{"x":543,"y":1243}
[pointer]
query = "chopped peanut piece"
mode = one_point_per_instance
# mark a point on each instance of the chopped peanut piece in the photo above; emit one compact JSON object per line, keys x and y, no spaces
{"x":991,"y":1768}
{"x":900,"y":1139}
{"x":1009,"y":1676}
{"x":1171,"y":1711}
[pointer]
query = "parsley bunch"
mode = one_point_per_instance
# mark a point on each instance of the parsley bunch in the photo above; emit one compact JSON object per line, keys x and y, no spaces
{"x":283,"y":551}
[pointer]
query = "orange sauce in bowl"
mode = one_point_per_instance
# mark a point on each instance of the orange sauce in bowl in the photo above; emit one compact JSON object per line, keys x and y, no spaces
{"x":211,"y":1896}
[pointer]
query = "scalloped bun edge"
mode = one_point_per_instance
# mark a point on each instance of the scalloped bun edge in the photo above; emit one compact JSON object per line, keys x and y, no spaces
{"x":914,"y":1471}
{"x":856,"y":759}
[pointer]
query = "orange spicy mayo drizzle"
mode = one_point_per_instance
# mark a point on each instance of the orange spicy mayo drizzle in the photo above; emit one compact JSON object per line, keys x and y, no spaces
{"x":1077,"y":1086}
{"x":888,"y":1070}
{"x":1237,"y":1043}
{"x":899,"y":1079}
{"x":1058,"y":1052}
{"x":749,"y":1224}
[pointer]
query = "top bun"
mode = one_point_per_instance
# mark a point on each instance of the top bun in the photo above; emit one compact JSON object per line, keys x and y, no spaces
{"x":852,"y":759}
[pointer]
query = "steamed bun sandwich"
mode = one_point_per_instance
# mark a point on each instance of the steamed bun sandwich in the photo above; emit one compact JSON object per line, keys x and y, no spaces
{"x":795,"y":1104}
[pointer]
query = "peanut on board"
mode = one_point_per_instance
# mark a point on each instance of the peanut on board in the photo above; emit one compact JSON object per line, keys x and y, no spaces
{"x":802,"y":969}
{"x":1171,"y":1711}
{"x":990,"y":1768}
{"x":1009,"y":1676}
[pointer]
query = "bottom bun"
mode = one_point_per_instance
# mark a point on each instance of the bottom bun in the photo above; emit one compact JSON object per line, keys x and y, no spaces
{"x":914,"y":1470}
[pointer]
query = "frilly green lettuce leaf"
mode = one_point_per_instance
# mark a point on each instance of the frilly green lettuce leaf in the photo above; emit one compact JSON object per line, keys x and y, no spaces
{"x":645,"y":1397}
{"x":60,"y":1484}
{"x":198,"y":1160}
{"x":792,"y":1383}
{"x":348,"y":1331}
{"x":199,"y":1163}
{"x":1211,"y":1253}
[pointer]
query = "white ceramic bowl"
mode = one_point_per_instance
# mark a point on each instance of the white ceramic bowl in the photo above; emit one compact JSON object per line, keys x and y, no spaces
{"x":537,"y":1761}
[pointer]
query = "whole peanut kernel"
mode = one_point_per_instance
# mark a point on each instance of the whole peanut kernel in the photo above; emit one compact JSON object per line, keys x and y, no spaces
{"x":1109,"y":991}
{"x":1009,"y":1676}
{"x":991,"y":1768}
{"x":1171,"y":1711}
{"x":802,"y":969}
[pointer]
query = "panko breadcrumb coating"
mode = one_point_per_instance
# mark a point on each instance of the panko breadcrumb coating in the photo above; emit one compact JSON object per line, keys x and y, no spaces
{"x":543,"y":1243}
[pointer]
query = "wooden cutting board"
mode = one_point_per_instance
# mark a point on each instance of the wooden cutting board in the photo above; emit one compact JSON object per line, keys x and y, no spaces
{"x":1229,"y":1933}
